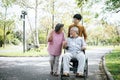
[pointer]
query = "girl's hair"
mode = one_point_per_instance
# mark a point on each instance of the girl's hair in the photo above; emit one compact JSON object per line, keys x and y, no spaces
{"x":58,"y":27}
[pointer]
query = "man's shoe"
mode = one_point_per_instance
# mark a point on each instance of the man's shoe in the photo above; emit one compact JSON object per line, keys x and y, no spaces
{"x":79,"y":75}
{"x":65,"y":75}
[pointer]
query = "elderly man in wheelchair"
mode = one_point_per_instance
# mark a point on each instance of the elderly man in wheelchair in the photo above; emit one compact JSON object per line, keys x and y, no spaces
{"x":74,"y":49}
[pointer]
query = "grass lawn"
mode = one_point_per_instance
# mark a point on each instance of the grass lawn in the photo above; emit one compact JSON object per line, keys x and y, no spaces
{"x":113,"y":63}
{"x":32,"y":53}
{"x":26,"y":54}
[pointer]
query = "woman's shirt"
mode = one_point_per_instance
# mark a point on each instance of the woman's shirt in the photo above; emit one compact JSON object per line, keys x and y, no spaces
{"x":55,"y":47}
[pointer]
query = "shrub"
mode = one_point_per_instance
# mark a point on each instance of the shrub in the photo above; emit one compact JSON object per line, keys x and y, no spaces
{"x":15,"y":41}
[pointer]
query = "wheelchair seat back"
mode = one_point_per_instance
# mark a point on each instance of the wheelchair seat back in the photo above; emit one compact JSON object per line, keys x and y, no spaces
{"x":73,"y":60}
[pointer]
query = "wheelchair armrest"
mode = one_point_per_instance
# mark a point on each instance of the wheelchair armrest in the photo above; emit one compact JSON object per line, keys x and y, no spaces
{"x":83,"y":51}
{"x":66,"y":48}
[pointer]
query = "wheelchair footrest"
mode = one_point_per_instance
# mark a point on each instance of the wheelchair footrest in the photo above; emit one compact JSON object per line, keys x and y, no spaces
{"x":73,"y":69}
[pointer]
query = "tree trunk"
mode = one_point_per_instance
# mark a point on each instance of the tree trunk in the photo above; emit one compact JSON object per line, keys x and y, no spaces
{"x":53,"y":15}
{"x":5,"y":27}
{"x":36,"y":29}
{"x":33,"y":35}
{"x":47,"y":34}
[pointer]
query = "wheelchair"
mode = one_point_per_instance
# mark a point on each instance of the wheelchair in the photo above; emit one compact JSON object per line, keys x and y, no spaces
{"x":73,"y":67}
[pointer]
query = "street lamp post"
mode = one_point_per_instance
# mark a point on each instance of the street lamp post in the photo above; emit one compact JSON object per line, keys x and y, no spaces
{"x":23,"y":13}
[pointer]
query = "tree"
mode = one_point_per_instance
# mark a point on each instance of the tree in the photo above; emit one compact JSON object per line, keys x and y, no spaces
{"x":34,"y":5}
{"x":1,"y":37}
{"x":45,"y":26}
{"x":81,"y":2}
{"x":18,"y":35}
{"x":6,"y":4}
{"x":113,"y":5}
{"x":102,"y":29}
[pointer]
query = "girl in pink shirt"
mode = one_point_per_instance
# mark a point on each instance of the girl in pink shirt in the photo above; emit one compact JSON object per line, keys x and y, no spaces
{"x":55,"y":40}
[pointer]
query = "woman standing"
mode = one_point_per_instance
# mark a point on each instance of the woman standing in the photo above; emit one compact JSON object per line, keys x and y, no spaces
{"x":55,"y":40}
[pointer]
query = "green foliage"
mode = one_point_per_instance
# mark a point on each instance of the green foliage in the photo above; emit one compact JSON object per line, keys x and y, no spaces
{"x":8,"y":23}
{"x":96,"y":15}
{"x":1,"y":37}
{"x":15,"y":41}
{"x":9,"y":38}
{"x":112,"y":4}
{"x":103,"y":35}
{"x":42,"y":38}
{"x":7,"y":3}
{"x":80,"y":2}
{"x":1,"y":34}
{"x":90,"y":17}
{"x":5,"y":23}
{"x":113,"y":63}
{"x":18,"y":35}
{"x":9,"y":28}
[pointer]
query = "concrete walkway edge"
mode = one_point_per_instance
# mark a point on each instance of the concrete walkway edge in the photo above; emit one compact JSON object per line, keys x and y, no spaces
{"x":107,"y":73}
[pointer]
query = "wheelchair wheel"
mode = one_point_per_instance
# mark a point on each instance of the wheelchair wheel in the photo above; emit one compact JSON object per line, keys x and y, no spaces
{"x":86,"y":70}
{"x":61,"y":70}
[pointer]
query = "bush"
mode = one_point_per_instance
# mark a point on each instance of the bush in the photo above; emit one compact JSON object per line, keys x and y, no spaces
{"x":9,"y":38}
{"x":42,"y":38}
{"x":15,"y":41}
{"x":1,"y":37}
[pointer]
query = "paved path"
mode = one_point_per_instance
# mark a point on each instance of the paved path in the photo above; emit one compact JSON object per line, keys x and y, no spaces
{"x":37,"y":68}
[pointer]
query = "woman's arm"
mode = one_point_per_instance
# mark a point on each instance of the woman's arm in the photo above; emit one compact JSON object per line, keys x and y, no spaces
{"x":50,"y":36}
{"x":64,"y":44}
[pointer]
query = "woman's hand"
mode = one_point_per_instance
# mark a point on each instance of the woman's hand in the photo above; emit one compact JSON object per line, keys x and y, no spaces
{"x":64,"y":44}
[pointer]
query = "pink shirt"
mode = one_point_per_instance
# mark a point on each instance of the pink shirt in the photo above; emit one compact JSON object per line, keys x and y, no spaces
{"x":55,"y":47}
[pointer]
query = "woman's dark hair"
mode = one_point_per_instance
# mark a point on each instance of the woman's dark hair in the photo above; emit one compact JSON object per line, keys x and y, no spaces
{"x":77,"y":16}
{"x":58,"y":27}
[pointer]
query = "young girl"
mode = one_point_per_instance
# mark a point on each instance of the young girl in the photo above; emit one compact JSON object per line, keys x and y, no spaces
{"x":55,"y":40}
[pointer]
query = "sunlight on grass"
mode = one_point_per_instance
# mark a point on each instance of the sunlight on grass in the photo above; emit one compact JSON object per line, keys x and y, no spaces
{"x":32,"y":53}
{"x":7,"y":47}
{"x":113,"y":63}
